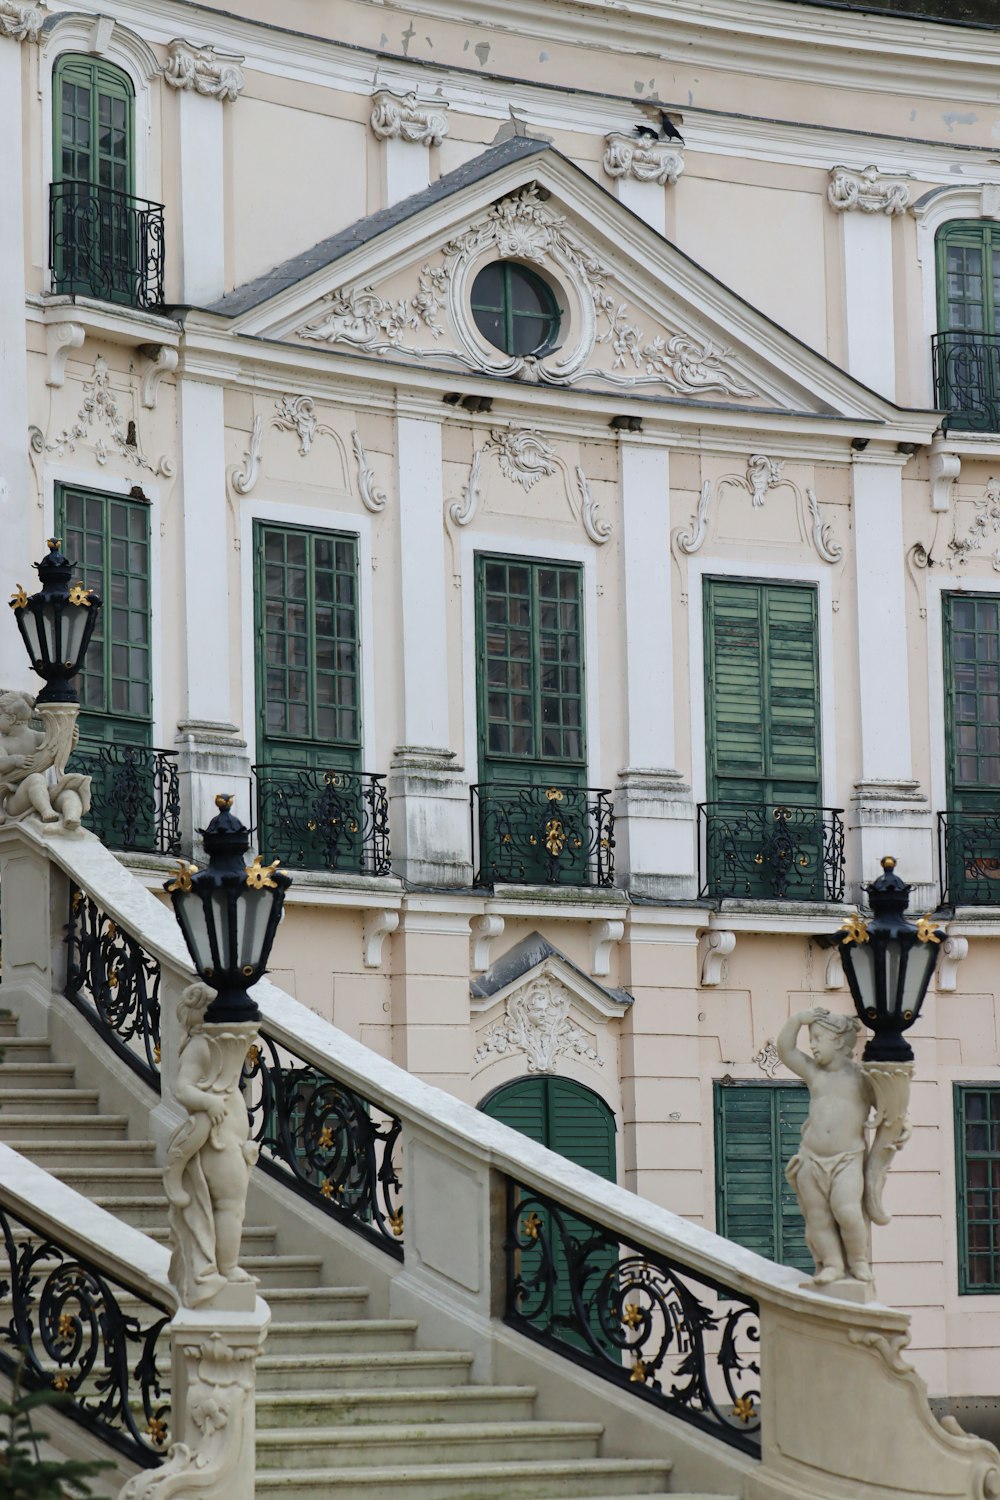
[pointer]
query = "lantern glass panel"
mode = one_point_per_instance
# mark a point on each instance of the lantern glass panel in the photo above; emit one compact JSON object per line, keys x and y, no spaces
{"x":33,"y":631}
{"x":895,"y":961}
{"x":221,"y":908}
{"x":862,"y":958}
{"x":191,"y":915}
{"x":75,"y":618}
{"x":923,"y":957}
{"x":254,"y":914}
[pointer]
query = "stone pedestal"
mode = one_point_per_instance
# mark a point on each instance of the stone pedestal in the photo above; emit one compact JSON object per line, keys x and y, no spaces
{"x":655,"y":852}
{"x":429,"y":817}
{"x":892,"y":817}
{"x":212,"y":758}
{"x":34,"y":904}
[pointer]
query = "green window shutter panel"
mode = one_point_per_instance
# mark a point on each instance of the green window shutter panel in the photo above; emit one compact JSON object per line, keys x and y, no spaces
{"x":757,"y":1133}
{"x":522,"y":1106}
{"x":968,"y":276}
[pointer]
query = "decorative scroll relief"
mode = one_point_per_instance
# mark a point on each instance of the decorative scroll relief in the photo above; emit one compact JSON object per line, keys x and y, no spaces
{"x":20,"y":22}
{"x":763,"y":475}
{"x":985,"y":524}
{"x":402,"y":117}
{"x":536,"y":1022}
{"x":101,"y":409}
{"x":642,"y":158}
{"x":524,"y":456}
{"x":297,"y":414}
{"x":525,"y":228}
{"x":868,"y":191}
{"x":205,"y":70}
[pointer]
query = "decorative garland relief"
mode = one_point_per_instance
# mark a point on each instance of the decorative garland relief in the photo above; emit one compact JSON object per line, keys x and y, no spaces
{"x":524,"y":456}
{"x":762,"y":475}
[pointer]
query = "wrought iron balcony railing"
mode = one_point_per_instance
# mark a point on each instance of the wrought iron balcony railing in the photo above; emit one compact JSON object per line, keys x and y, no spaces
{"x":967,"y":380}
{"x":755,"y":851}
{"x":115,"y":984}
{"x":542,"y":835}
{"x":969,"y":855}
{"x":135,"y":802}
{"x":323,"y":820}
{"x":106,"y":245}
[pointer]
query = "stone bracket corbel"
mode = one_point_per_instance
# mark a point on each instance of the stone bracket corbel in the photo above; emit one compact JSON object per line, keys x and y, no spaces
{"x":945,"y":468}
{"x":378,"y":926}
{"x":715,"y":949}
{"x":485,"y":931}
{"x":953,"y":950}
{"x":603,"y":936}
{"x":163,"y":361}
{"x":61,"y":339}
{"x":834,"y":971}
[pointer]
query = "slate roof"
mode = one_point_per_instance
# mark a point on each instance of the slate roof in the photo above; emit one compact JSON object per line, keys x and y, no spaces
{"x":279,"y":278}
{"x":527,"y":955}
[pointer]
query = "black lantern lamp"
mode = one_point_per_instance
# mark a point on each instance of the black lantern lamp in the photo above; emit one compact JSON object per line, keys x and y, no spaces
{"x":229,"y":914}
{"x":889,"y":962}
{"x":56,"y":625}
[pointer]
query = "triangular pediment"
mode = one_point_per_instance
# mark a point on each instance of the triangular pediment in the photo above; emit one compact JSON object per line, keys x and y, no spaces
{"x":638,"y":316}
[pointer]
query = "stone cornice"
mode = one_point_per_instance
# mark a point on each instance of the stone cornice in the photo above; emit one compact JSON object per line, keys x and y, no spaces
{"x":868,"y":190}
{"x":642,"y":158}
{"x":405,"y":117}
{"x":20,"y":20}
{"x":204,"y":70}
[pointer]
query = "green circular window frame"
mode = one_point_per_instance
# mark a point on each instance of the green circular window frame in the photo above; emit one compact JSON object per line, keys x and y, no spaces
{"x":509,"y":270}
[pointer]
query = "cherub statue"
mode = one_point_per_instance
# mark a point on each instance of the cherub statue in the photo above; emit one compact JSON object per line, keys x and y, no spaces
{"x":33,"y":778}
{"x":209,"y":1156}
{"x":829,"y":1170}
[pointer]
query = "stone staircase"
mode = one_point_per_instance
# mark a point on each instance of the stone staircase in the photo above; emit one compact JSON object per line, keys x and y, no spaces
{"x":346,"y":1403}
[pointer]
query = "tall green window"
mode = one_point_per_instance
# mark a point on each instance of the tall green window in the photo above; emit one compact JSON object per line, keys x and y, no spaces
{"x":977,"y":1170}
{"x":757,"y":1129}
{"x":108,"y":537}
{"x":764,"y":829}
{"x":530,"y":666}
{"x":972,"y":732}
{"x":94,"y":119}
{"x":966,"y":346}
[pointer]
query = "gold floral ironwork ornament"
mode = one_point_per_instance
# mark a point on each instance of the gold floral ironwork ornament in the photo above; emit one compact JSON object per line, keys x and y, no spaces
{"x":855,"y":930}
{"x":531,"y":1227}
{"x":744,"y":1409}
{"x":157,"y":1430}
{"x":19,"y":599}
{"x":638,"y":1374}
{"x":926,"y":931}
{"x":182,"y":880}
{"x":260,"y":876}
{"x":555,"y":836}
{"x":396,"y":1223}
{"x":79,"y":595}
{"x":632,"y":1315}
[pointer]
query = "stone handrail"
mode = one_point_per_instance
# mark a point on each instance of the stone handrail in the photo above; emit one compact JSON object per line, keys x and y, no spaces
{"x":842,"y":1412}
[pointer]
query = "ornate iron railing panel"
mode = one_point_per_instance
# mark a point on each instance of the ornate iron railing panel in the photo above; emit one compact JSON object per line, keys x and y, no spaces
{"x":967,"y":380}
{"x":781,"y":853}
{"x":115,"y":983}
{"x":969,"y":855}
{"x":135,"y":799}
{"x":67,"y":1318}
{"x":106,"y":244}
{"x":323,"y":820}
{"x":542,"y":835}
{"x":327,"y":1142}
{"x":660,"y":1330}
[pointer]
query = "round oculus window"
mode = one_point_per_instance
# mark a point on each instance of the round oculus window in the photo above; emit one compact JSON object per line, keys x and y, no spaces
{"x":514,"y":309}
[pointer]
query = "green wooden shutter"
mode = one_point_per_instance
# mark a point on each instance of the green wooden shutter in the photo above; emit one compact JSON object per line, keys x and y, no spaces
{"x":107,"y":536}
{"x":762,"y":692}
{"x":757,"y":1129}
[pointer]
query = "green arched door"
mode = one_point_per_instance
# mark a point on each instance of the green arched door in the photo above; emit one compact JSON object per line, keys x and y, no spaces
{"x":573,"y":1120}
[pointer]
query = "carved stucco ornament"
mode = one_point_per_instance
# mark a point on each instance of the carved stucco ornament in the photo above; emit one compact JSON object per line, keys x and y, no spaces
{"x":101,"y":410}
{"x":642,"y":158}
{"x":405,"y":117}
{"x":524,"y":456}
{"x":34,"y":782}
{"x":536,"y":1022}
{"x":21,"y":22}
{"x":867,"y":190}
{"x":523,"y":226}
{"x":983,"y":527}
{"x":762,"y":475}
{"x":298,"y":415}
{"x":205,"y":70}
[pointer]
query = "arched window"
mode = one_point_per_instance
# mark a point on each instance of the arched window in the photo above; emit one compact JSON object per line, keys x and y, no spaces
{"x":105,"y":242}
{"x":967,"y":344}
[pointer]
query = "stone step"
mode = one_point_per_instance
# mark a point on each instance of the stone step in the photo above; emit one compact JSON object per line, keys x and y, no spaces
{"x":23,"y":1129}
{"x":26,"y":1049}
{"x":8,"y":1024}
{"x":476,"y":1403}
{"x":147,"y":1212}
{"x":101,"y":1182}
{"x":70,"y":1102}
{"x":284,"y":1270}
{"x":258,"y":1239}
{"x":334,"y":1372}
{"x":291,"y":1328}
{"x":42,"y":1075}
{"x":403,"y":1444}
{"x":102,"y":1156}
{"x":370,"y":1335}
{"x":558,"y":1480}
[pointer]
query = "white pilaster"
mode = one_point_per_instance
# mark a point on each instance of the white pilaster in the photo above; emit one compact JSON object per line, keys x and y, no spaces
{"x":202,"y":198}
{"x":889,"y":811}
{"x":408,"y":128}
{"x":407,"y":170}
{"x":427,"y":790}
{"x":644,"y":199}
{"x":655,"y":828}
{"x":16,"y":554}
{"x":871,"y":337}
